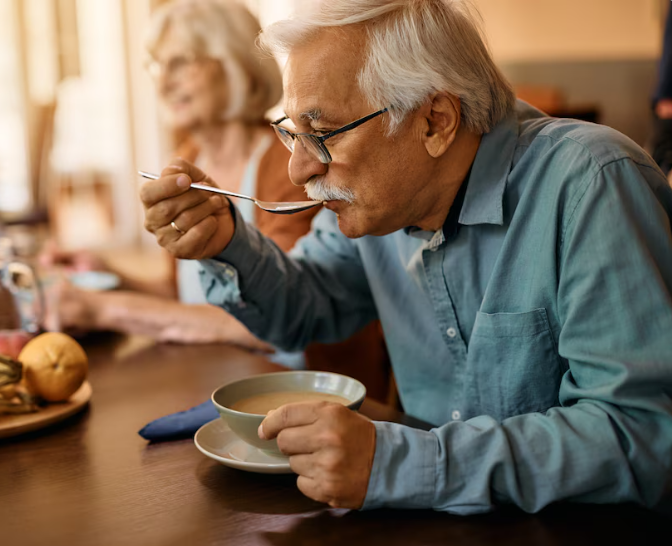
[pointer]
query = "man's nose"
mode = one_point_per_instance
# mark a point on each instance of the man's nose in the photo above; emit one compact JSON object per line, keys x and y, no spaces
{"x":303,"y":166}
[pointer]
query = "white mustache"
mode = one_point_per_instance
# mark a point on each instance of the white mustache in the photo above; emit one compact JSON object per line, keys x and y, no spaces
{"x":318,"y":189}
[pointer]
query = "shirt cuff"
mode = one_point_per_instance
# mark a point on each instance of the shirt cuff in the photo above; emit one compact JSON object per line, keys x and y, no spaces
{"x":404,"y":468}
{"x":220,"y":284}
{"x":220,"y":279}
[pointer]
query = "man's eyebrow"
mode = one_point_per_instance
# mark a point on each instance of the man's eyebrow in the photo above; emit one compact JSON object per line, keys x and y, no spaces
{"x":313,"y":114}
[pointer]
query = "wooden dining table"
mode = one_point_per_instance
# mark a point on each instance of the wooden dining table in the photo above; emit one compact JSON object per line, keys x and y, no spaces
{"x":91,"y":480}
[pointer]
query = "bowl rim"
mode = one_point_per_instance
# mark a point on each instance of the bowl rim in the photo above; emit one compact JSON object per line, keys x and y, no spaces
{"x":284,"y":373}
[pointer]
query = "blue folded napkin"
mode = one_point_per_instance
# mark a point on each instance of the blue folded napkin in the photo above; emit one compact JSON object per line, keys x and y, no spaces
{"x":182,"y":424}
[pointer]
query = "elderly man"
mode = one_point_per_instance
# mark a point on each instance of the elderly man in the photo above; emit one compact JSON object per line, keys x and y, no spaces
{"x":521,"y":267}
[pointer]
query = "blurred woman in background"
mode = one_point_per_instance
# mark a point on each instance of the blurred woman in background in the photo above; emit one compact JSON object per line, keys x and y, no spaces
{"x":214,"y":87}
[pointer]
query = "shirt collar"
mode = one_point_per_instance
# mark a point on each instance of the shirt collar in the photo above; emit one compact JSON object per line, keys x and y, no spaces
{"x":483,"y":201}
{"x":452,"y":224}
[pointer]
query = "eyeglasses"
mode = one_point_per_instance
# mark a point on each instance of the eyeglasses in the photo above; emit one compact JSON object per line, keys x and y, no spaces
{"x":314,"y":144}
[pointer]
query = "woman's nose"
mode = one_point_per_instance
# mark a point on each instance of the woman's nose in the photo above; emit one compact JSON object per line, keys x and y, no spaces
{"x":303,"y":166}
{"x":164,"y":81}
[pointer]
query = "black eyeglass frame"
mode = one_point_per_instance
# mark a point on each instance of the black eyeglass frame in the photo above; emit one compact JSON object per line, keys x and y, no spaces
{"x":319,"y":140}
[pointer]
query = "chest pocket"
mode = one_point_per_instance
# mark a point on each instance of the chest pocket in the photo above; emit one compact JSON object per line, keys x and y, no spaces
{"x":513,"y":364}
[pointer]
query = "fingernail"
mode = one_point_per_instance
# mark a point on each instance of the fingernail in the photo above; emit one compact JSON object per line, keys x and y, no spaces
{"x":182,"y":181}
{"x":260,"y":432}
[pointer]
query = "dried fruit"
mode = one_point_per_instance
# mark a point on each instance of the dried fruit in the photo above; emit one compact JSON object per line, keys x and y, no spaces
{"x":10,"y":371}
{"x":12,"y":398}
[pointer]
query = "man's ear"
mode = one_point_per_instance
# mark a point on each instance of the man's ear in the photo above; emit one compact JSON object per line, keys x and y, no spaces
{"x":442,"y":116}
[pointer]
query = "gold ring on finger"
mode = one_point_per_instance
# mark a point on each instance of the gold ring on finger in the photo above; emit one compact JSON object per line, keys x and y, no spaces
{"x":174,"y":226}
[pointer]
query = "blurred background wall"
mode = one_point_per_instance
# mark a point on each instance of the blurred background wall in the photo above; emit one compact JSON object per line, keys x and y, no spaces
{"x":589,"y":54}
{"x":78,"y":115}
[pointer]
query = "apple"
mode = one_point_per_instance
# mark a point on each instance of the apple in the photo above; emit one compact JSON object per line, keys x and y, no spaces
{"x":12,"y":341}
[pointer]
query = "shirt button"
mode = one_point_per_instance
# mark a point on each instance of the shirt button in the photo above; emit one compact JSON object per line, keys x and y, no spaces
{"x":456,"y":415}
{"x":451,"y":332}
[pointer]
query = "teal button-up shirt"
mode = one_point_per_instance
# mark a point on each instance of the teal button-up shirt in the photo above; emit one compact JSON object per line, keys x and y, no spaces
{"x":536,"y":334}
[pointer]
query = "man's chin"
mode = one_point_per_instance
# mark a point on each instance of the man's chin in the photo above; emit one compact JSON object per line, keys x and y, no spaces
{"x":354,"y":228}
{"x":349,"y":226}
{"x":352,"y":223}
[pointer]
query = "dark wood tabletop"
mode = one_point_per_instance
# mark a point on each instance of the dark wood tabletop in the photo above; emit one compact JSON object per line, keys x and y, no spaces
{"x":93,"y":481}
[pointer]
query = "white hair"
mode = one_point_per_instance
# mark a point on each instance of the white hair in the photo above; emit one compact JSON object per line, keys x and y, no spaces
{"x":415,"y":48}
{"x":224,"y":30}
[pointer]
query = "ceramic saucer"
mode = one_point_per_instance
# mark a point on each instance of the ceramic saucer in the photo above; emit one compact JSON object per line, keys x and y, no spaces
{"x":217,"y":441}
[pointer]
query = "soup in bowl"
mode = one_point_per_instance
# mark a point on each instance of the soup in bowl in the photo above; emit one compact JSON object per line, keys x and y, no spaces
{"x":243,"y":404}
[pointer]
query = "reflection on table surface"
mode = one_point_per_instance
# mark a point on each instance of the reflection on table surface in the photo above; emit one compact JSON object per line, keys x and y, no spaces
{"x":93,"y":481}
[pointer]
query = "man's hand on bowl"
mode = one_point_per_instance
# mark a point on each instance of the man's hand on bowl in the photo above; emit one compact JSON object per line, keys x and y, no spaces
{"x":329,"y":446}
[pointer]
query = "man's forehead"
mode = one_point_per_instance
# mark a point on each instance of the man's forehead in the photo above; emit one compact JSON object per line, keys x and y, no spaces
{"x":320,"y":78}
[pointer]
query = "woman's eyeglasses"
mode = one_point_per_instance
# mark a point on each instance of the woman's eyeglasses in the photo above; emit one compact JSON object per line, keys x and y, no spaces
{"x":174,"y":65}
{"x":314,"y":144}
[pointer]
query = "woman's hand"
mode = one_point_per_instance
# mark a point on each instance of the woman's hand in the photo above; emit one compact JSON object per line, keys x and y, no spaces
{"x":68,"y":309}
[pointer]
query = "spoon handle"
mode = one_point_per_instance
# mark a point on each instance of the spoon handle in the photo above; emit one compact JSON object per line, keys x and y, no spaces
{"x":196,"y":186}
{"x":223,"y":192}
{"x":151,"y":176}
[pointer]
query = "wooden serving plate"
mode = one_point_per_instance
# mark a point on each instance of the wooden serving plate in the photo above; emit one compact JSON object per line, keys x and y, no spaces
{"x":13,"y":425}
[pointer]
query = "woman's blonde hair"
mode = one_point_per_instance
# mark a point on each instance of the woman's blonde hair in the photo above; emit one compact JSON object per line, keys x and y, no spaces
{"x":415,"y":48}
{"x":224,"y":30}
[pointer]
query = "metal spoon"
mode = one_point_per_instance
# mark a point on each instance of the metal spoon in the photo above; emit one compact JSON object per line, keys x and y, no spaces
{"x":276,"y":207}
